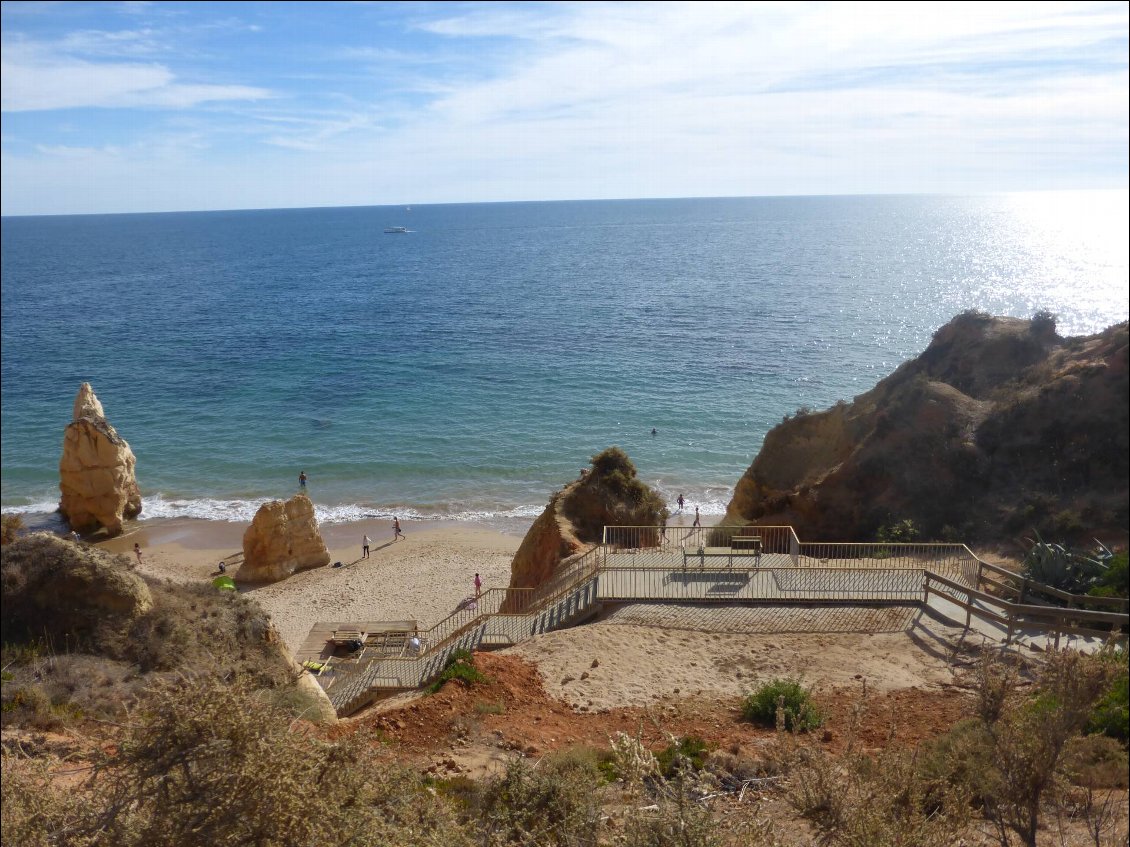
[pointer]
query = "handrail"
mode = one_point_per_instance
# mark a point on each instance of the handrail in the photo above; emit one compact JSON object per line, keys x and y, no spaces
{"x":778,"y":540}
{"x":1029,"y":584}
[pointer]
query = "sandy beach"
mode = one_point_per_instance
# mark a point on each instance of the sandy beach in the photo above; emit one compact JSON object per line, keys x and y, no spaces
{"x":422,"y":577}
{"x":644,"y":653}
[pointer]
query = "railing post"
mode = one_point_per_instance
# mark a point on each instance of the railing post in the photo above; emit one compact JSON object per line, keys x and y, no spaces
{"x":1023,"y":590}
{"x":968,"y":608}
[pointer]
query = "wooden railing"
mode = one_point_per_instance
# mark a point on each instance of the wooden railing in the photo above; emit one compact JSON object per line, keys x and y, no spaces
{"x":812,"y":572}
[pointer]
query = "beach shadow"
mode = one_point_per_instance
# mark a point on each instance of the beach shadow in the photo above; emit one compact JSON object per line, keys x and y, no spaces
{"x":735,"y":578}
{"x":231,"y":562}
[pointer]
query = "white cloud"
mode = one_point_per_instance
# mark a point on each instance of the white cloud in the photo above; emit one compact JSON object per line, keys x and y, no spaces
{"x":35,"y":78}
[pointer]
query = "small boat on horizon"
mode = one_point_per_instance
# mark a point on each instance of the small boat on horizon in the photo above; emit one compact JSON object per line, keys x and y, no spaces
{"x":398,"y":230}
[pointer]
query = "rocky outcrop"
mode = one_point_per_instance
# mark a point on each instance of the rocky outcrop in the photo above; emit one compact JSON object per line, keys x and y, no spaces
{"x":56,"y":587}
{"x":573,"y":522}
{"x":96,"y":473}
{"x":999,"y":427}
{"x":282,"y":540}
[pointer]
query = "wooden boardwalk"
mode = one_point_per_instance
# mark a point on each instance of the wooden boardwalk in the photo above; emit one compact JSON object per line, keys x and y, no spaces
{"x":687,"y":571}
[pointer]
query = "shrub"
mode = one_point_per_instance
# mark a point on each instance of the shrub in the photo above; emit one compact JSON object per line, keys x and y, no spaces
{"x":1111,"y":715}
{"x":552,"y":805}
{"x":898,"y":532}
{"x":786,"y":698}
{"x":10,"y":528}
{"x":1095,"y":761}
{"x":1043,"y":324}
{"x":209,"y":763}
{"x":1115,"y":581}
{"x":857,"y":801}
{"x":460,"y":666}
{"x":684,"y":752}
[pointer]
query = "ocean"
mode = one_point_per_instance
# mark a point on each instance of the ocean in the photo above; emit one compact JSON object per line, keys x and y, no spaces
{"x":467,"y":369}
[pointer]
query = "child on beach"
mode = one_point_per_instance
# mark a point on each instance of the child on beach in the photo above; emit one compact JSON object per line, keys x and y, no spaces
{"x":680,"y":501}
{"x":478,"y":585}
{"x":137,"y":552}
{"x":697,"y":522}
{"x":396,"y":533}
{"x":364,"y":546}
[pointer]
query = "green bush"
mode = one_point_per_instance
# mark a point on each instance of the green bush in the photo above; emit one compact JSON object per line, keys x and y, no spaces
{"x":690,"y":752}
{"x":790,"y":698}
{"x":1111,"y":715}
{"x":460,"y":666}
{"x":898,"y":532}
{"x":1115,"y":581}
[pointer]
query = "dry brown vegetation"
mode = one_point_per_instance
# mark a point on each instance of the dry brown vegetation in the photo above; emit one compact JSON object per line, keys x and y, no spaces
{"x":200,"y":761}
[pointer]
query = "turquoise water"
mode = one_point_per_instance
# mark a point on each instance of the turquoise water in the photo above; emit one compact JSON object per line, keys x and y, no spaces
{"x":469,"y":368}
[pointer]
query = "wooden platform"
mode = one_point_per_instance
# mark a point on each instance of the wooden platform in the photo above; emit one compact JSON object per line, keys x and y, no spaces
{"x":377,"y":638}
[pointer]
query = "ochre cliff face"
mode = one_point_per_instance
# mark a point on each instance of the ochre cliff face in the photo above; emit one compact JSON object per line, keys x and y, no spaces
{"x":283,"y":539}
{"x":998,"y":428}
{"x":97,"y":475}
{"x":549,"y":540}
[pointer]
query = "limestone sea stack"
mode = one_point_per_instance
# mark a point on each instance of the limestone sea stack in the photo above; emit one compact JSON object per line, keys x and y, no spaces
{"x":96,"y":473}
{"x":282,"y":540}
{"x":574,"y":520}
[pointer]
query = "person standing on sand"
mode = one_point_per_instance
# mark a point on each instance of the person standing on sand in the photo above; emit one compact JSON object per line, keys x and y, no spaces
{"x":697,"y":522}
{"x":302,"y":480}
{"x":364,"y":546}
{"x":478,"y":585}
{"x":137,"y":552}
{"x":396,"y":533}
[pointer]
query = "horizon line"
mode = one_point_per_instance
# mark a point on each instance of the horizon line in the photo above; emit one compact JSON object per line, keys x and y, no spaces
{"x":1123,"y":188}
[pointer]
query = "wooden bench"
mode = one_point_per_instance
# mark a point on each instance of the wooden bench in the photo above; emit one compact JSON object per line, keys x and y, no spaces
{"x":741,"y":546}
{"x":341,"y":637}
{"x":748,"y":544}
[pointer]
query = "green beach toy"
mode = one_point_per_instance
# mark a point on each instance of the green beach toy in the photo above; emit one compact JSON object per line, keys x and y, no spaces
{"x":224,"y":583}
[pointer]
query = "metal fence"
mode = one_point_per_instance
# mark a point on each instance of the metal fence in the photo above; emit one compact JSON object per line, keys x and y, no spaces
{"x":707,"y":564}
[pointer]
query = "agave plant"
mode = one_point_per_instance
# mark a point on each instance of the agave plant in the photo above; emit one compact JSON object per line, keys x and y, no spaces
{"x":1063,"y":568}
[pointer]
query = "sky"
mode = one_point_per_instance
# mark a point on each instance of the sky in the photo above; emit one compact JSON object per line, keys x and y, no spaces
{"x":169,"y":106}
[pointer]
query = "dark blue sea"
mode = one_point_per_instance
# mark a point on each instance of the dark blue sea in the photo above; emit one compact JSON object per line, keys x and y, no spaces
{"x":470,"y":367}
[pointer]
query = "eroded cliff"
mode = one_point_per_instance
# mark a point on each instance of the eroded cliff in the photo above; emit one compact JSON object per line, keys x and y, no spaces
{"x":999,"y":427}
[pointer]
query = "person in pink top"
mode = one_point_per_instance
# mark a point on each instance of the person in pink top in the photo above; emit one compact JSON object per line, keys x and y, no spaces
{"x":478,"y":585}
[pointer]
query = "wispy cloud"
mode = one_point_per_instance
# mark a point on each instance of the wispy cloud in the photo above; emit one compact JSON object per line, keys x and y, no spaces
{"x":359,"y":103}
{"x":86,"y":69}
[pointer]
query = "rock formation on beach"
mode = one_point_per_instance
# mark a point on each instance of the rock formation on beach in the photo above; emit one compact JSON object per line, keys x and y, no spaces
{"x":576,"y":515}
{"x":998,"y":428}
{"x":96,"y":473}
{"x":282,"y":540}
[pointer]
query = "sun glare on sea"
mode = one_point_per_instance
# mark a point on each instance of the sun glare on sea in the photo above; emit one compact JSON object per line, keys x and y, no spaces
{"x":1078,"y":241}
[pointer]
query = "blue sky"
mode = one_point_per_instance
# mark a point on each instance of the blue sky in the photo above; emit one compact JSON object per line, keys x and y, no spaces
{"x":124,"y":107}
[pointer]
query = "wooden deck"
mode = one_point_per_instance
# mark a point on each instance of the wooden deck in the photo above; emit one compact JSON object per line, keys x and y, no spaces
{"x":378,"y":638}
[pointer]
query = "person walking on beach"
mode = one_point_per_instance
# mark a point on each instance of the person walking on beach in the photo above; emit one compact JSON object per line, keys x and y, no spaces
{"x":396,"y":533}
{"x":364,"y":546}
{"x":681,"y":502}
{"x":137,"y":552}
{"x":697,"y":522}
{"x":302,"y":480}
{"x":478,"y":585}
